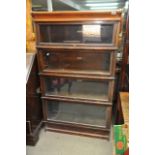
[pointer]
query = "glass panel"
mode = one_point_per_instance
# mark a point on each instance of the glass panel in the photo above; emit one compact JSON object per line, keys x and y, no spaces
{"x":79,"y":61}
{"x":78,"y":5}
{"x":76,"y":113}
{"x":77,"y":88}
{"x":63,"y":33}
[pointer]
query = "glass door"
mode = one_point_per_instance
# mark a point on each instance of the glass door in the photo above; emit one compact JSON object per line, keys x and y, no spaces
{"x":77,"y":113}
{"x":78,"y":34}
{"x":77,"y":61}
{"x":74,"y":88}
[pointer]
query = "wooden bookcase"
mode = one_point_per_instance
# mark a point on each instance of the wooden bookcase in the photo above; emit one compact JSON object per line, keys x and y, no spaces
{"x":76,"y":54}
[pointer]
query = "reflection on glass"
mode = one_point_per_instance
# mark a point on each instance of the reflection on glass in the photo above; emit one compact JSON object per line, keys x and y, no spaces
{"x":77,"y":5}
{"x":76,"y":113}
{"x":102,"y":34}
{"x":77,"y":88}
{"x":91,"y":33}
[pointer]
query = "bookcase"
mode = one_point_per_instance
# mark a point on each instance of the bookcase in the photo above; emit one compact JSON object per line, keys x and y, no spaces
{"x":76,"y":54}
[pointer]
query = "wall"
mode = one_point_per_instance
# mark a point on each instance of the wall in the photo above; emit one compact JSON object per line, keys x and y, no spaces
{"x":30,"y":36}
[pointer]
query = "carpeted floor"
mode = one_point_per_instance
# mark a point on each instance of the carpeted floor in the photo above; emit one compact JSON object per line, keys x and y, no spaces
{"x":51,"y":143}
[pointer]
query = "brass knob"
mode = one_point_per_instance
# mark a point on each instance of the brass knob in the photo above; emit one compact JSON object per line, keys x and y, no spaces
{"x":47,"y":54}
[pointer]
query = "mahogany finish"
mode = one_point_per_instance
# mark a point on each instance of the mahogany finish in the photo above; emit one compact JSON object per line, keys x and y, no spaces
{"x":71,"y":16}
{"x":76,"y":57}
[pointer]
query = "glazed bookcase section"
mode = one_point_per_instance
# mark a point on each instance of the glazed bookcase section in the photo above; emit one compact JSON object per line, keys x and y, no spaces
{"x":81,"y":62}
{"x":76,"y":54}
{"x":77,"y":88}
{"x":77,"y":113}
{"x":82,"y":34}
